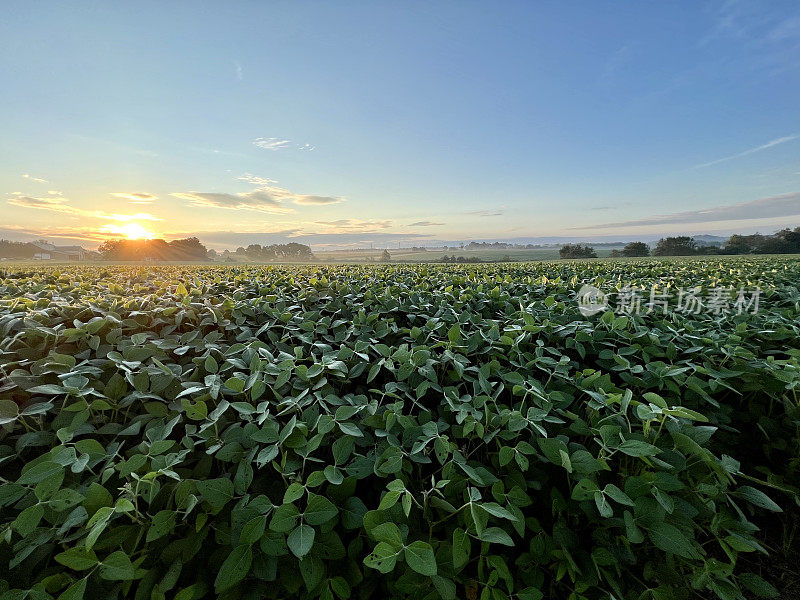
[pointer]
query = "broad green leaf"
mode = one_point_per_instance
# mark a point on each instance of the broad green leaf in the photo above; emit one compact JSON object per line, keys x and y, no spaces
{"x":301,"y":540}
{"x":382,"y":558}
{"x":116,"y":566}
{"x":419,"y":556}
{"x":670,"y":539}
{"x":234,"y":569}
{"x":78,"y":559}
{"x":757,"y":498}
{"x":319,"y":510}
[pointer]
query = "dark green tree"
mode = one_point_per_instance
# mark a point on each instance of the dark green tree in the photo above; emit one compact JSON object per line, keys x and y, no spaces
{"x":675,"y":246}
{"x":636,"y":249}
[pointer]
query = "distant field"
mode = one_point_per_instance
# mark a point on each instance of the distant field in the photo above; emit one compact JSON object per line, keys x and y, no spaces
{"x":412,"y":256}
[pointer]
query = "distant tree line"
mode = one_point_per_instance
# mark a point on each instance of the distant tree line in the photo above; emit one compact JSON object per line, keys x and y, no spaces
{"x":9,"y":249}
{"x":577,"y":251}
{"x":632,"y":249}
{"x":473,"y":259}
{"x":460,"y":259}
{"x":291,"y":251}
{"x":188,"y":249}
{"x":785,"y":241}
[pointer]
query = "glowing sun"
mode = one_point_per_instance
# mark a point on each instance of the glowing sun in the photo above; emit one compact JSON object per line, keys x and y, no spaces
{"x":134,"y":231}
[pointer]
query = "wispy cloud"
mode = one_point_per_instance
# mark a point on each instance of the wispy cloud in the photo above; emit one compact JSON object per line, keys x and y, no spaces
{"x":266,"y":198}
{"x":610,"y":207}
{"x":256,"y":180}
{"x":354,"y":225}
{"x":491,"y":212}
{"x":32,"y":178}
{"x":266,"y":189}
{"x":425,"y":224}
{"x":239,"y":71}
{"x":244,"y":201}
{"x":786,"y":205}
{"x":135,"y":197}
{"x":61,"y":205}
{"x":770,"y":144}
{"x":273,"y":143}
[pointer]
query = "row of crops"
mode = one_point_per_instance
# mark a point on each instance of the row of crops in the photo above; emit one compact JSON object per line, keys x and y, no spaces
{"x":397,"y":432}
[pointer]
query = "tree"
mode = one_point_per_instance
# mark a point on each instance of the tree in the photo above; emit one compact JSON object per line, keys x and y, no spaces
{"x":577,"y":251}
{"x":385,"y":256}
{"x":741,"y":244}
{"x":111,"y":249}
{"x":187,"y":249}
{"x":9,"y":249}
{"x":791,"y":238}
{"x":636,"y":249}
{"x":675,"y":246}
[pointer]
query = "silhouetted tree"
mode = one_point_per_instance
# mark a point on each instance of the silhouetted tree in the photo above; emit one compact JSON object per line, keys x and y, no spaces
{"x":636,"y":249}
{"x":577,"y":251}
{"x":675,"y":246}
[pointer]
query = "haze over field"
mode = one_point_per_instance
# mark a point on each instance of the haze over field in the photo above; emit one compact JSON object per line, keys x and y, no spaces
{"x":354,"y":124}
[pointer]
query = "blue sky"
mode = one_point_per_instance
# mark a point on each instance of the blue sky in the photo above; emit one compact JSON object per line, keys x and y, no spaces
{"x":375,"y":122}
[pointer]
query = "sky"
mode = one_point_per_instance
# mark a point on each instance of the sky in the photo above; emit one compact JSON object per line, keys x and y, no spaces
{"x":384,"y":123}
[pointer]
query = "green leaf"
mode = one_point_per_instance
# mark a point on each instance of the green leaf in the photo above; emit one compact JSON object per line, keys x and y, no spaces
{"x":603,"y":507}
{"x":454,"y":335}
{"x":312,"y":569}
{"x":301,"y":540}
{"x":234,"y":569}
{"x":267,"y":455}
{"x":758,"y":586}
{"x":382,"y":558}
{"x":757,"y":498}
{"x":495,"y":535}
{"x":532,"y":593}
{"x":498,"y":511}
{"x":284,"y":518}
{"x":39,"y":472}
{"x":28,"y":519}
{"x":353,"y":513}
{"x":419,"y":556}
{"x":461,"y":549}
{"x":253,"y":530}
{"x":216,"y":492}
{"x":389,"y":533}
{"x":617,"y":495}
{"x":670,"y":539}
{"x":8,"y":411}
{"x":638,"y":448}
{"x":319,"y":510}
{"x":116,"y":566}
{"x":162,"y":524}
{"x":78,"y":559}
{"x":75,"y":591}
{"x":350,"y":429}
{"x":389,"y":499}
{"x":293,"y":492}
